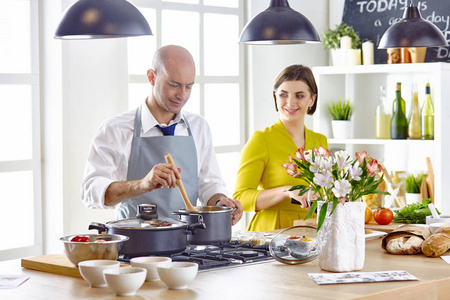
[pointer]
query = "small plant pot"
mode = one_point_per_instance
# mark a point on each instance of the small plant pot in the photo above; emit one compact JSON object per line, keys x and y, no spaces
{"x":342,"y":129}
{"x":412,"y":198}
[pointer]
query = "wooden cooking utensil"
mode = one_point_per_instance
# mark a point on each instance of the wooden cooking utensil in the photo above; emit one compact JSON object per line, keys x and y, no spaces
{"x":430,"y":180}
{"x":424,"y":189}
{"x":189,"y":206}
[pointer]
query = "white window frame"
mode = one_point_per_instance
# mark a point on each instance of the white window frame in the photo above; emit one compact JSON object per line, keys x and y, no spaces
{"x":34,"y":164}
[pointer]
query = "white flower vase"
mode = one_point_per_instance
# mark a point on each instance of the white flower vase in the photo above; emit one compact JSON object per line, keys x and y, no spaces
{"x":342,"y":129}
{"x":341,"y":239}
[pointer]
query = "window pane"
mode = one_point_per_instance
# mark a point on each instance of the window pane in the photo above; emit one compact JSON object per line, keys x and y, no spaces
{"x":141,"y":49}
{"x":229,"y":164}
{"x":225,"y":3}
{"x":221,"y":45}
{"x":15,"y":49}
{"x":18,"y":207}
{"x":186,"y":35}
{"x":15,"y":113}
{"x":222,"y":112}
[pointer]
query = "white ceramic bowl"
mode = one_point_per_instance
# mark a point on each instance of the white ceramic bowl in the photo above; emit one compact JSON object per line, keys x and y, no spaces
{"x":435,"y":226}
{"x":178,"y":274}
{"x":125,"y":281}
{"x":92,"y":270}
{"x":150,"y":263}
{"x":442,"y":219}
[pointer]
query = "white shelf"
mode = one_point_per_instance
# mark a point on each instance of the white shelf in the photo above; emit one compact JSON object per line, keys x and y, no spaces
{"x":360,"y":84}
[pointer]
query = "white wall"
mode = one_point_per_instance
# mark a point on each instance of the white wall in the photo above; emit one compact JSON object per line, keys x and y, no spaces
{"x":94,"y":88}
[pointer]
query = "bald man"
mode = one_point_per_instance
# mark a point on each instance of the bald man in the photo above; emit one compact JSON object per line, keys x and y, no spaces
{"x":126,"y":165}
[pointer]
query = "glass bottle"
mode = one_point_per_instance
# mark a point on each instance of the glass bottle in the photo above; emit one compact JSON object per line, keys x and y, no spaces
{"x":382,"y":117}
{"x":414,"y":121}
{"x":402,"y":103}
{"x":427,"y":116}
{"x":399,"y":123}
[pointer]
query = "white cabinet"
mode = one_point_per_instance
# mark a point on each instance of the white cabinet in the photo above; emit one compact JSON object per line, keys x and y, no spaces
{"x":361,"y":85}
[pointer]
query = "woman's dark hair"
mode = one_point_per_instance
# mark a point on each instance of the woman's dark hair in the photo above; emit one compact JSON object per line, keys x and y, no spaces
{"x":295,"y":73}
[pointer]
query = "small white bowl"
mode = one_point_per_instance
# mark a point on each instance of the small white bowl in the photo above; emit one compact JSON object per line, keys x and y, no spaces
{"x":92,"y":270}
{"x":442,"y":219}
{"x":125,"y":281}
{"x":150,"y":263}
{"x":178,"y":274}
{"x":435,"y":226}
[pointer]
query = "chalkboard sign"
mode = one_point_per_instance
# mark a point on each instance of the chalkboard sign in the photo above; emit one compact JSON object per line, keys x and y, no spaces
{"x":371,"y":18}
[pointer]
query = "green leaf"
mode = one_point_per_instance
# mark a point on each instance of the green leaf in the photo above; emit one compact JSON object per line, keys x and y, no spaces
{"x":322,"y":215}
{"x":311,"y":210}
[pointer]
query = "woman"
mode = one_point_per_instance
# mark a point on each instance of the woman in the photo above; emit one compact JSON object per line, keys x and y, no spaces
{"x":262,"y":183}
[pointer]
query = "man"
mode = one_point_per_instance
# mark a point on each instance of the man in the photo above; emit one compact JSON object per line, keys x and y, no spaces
{"x":126,"y":164}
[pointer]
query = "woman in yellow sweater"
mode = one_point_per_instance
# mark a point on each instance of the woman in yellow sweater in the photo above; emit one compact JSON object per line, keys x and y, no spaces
{"x":262,"y":183}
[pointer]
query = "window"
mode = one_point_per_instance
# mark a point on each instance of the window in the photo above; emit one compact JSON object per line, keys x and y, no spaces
{"x":210,"y":30}
{"x":19,"y":129}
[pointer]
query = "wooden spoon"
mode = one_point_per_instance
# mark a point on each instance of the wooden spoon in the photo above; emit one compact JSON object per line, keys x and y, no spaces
{"x":430,"y":180}
{"x":189,"y":206}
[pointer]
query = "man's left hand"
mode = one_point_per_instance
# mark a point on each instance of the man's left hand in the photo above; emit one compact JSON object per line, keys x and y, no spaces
{"x":237,"y":213}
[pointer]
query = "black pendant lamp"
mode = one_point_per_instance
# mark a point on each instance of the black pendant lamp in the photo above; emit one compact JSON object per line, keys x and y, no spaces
{"x":412,"y":31}
{"x":279,"y":24}
{"x":98,"y":19}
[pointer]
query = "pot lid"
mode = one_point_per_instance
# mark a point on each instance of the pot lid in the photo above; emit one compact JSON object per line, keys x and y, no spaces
{"x":295,"y":245}
{"x":155,"y":224}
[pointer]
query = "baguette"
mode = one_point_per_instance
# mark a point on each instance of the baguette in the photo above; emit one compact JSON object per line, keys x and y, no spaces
{"x":406,"y":239}
{"x":438,"y":243}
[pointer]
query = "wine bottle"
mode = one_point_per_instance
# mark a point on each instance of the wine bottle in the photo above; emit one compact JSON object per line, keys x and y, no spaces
{"x":427,"y":116}
{"x":382,"y":117}
{"x":399,"y":123}
{"x":414,"y":121}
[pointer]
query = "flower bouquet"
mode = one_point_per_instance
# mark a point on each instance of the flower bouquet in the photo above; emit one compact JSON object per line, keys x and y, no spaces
{"x":334,"y":179}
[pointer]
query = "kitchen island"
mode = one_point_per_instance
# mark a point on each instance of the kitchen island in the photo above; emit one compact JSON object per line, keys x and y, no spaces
{"x":268,"y":280}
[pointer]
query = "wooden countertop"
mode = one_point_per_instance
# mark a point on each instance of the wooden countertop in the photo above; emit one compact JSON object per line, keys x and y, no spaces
{"x":270,"y":280}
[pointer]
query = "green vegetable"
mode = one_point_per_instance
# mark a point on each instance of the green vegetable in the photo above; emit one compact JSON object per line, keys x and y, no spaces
{"x":413,"y":183}
{"x":414,"y":213}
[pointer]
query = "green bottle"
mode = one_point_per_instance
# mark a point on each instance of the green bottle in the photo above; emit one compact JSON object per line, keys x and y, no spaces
{"x":399,"y":123}
{"x":427,"y":116}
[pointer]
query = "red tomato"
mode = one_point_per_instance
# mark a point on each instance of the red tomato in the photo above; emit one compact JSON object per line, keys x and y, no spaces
{"x":383,"y":216}
{"x":83,"y":239}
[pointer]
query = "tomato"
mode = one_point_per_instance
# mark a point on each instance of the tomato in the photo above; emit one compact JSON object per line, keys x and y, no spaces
{"x":368,"y":215}
{"x":82,"y":239}
{"x":383,"y":216}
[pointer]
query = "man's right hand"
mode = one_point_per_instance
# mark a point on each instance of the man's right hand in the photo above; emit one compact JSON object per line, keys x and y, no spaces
{"x":161,"y":176}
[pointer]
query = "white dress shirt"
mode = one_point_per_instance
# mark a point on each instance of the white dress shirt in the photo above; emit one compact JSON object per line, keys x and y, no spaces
{"x":111,"y":147}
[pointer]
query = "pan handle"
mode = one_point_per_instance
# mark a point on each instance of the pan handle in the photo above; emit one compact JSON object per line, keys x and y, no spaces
{"x":191,"y":229}
{"x":99,"y":226}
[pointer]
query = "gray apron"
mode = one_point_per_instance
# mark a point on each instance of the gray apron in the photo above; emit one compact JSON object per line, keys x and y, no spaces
{"x":146,"y":152}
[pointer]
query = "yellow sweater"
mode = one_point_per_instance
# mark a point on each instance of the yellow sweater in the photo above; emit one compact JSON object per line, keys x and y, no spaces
{"x":261,"y":168}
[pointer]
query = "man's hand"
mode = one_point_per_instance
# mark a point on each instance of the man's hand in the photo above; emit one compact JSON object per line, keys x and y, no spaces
{"x":237,"y":213}
{"x":161,"y":176}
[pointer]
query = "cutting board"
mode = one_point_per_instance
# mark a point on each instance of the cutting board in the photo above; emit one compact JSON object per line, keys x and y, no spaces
{"x":371,"y":225}
{"x":53,"y":263}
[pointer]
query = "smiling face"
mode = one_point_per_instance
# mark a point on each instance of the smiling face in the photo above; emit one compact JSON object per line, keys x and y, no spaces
{"x":172,"y":82}
{"x":293,"y":98}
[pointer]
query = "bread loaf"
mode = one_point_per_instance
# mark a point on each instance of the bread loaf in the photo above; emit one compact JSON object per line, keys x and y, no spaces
{"x":407,"y":244}
{"x":438,"y":243}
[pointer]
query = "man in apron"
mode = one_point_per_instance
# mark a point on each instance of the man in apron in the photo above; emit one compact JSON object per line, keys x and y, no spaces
{"x":126,"y":164}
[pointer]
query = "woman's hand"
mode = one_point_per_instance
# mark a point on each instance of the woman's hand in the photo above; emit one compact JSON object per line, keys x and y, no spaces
{"x":305,"y":199}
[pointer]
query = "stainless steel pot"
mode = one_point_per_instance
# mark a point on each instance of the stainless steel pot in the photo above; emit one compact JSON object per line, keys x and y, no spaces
{"x":217,"y":220}
{"x":150,"y":236}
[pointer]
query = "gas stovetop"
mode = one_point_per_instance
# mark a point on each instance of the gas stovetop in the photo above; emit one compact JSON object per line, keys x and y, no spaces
{"x":221,"y":256}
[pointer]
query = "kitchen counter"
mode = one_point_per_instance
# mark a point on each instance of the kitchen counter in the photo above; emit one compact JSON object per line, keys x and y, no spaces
{"x":270,"y":280}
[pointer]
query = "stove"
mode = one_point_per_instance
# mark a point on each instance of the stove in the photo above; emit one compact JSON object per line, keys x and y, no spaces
{"x":220,"y":256}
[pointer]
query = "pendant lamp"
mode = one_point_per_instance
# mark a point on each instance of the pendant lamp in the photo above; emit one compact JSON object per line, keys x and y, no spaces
{"x":98,"y":19}
{"x":412,"y":31}
{"x":279,"y":24}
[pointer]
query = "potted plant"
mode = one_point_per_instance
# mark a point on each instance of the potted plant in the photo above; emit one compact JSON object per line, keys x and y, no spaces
{"x":412,"y":185}
{"x":341,"y":112}
{"x":332,"y":39}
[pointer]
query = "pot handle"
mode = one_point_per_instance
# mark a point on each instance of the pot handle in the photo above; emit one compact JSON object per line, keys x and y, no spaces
{"x":99,"y":226}
{"x":191,"y":229}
